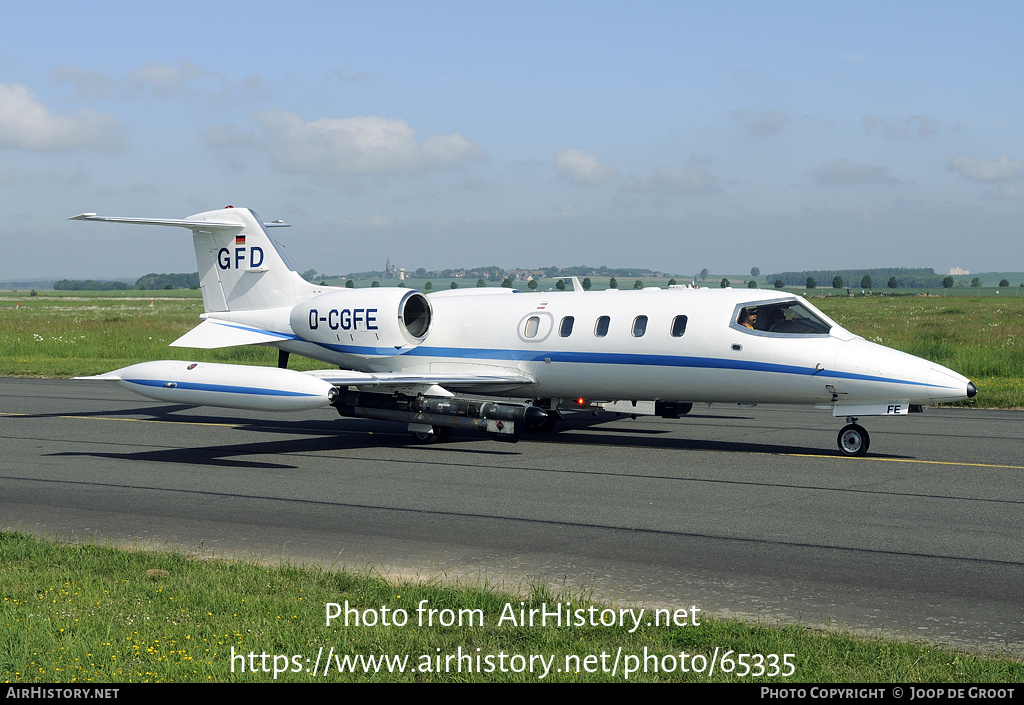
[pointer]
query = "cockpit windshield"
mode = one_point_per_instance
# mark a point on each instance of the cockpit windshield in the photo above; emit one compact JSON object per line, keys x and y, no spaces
{"x":784,"y":317}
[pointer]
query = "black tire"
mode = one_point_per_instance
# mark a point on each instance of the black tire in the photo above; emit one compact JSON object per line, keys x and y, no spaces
{"x":439,"y":434}
{"x":853,"y":440}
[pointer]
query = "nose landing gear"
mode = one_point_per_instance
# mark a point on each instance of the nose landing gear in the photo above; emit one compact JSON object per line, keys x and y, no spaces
{"x":853,"y":439}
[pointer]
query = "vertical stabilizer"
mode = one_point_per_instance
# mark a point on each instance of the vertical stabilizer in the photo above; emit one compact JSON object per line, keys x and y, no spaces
{"x":240,"y":265}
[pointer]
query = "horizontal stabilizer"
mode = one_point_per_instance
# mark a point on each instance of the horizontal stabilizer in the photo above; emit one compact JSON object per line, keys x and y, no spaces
{"x":180,"y":223}
{"x":225,"y":334}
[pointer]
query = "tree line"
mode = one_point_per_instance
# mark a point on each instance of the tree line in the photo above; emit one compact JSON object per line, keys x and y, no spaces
{"x":149,"y":281}
{"x":861,"y":278}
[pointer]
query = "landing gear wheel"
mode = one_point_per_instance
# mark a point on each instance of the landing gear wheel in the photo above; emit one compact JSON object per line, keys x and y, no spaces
{"x":853,"y":440}
{"x":440,"y":434}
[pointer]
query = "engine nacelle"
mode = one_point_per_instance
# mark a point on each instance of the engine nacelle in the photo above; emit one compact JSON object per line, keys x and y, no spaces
{"x":373,"y":322}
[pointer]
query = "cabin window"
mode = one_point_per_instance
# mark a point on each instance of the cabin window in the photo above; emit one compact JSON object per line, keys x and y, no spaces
{"x":678,"y":326}
{"x":601,"y":329}
{"x":639,"y":326}
{"x":565,"y":329}
{"x":785,"y":317}
{"x":532,"y":325}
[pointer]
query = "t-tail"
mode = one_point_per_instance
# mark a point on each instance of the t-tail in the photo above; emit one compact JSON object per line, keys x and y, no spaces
{"x":241,"y":268}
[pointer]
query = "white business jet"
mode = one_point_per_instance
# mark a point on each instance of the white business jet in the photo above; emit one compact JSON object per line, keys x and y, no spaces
{"x":505,"y":362}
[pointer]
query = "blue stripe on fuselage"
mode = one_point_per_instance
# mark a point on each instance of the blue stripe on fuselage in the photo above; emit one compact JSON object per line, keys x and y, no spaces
{"x":222,"y":388}
{"x":602,"y":358}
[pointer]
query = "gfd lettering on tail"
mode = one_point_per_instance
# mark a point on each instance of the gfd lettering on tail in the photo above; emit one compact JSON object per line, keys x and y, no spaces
{"x":227,"y":260}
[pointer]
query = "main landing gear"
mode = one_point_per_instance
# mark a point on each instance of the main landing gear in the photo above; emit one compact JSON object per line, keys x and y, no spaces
{"x":853,"y":439}
{"x":436,"y":434}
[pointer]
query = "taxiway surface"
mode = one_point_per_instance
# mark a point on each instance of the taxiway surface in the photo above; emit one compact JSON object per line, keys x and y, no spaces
{"x":746,"y":512}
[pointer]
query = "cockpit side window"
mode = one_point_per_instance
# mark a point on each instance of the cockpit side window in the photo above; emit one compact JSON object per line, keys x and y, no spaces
{"x":784,"y":317}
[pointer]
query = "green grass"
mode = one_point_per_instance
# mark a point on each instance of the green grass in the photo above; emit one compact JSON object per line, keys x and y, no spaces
{"x":86,"y":613}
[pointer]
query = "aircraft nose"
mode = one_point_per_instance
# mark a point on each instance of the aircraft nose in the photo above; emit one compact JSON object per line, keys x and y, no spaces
{"x":945,"y":385}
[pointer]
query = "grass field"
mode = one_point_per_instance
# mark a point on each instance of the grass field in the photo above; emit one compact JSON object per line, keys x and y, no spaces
{"x":64,"y":334}
{"x":85,"y":613}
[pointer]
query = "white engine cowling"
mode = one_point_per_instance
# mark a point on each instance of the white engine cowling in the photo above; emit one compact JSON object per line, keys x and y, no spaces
{"x":373,"y":322}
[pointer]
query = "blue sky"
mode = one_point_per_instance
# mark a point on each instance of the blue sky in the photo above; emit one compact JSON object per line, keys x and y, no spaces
{"x":675,"y":136}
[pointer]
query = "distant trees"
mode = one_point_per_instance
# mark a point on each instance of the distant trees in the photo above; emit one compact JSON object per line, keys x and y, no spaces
{"x":865,"y":282}
{"x":755,"y":272}
{"x":613,"y":283}
{"x":812,"y":283}
{"x":725,"y":284}
{"x":892,"y":283}
{"x":672,"y":282}
{"x":309,"y":275}
{"x":1004,"y":282}
{"x":976,"y":283}
{"x":374,"y":283}
{"x":704,"y":274}
{"x":779,"y":283}
{"x":560,"y":285}
{"x":160,"y":281}
{"x":533,"y":285}
{"x":587,"y":284}
{"x":349,"y":284}
{"x":507,"y":283}
{"x":638,"y":284}
{"x":481,"y":282}
{"x":837,"y":282}
{"x":751,"y":284}
{"x":947,"y":282}
{"x":93,"y":285}
{"x":453,"y":285}
{"x":428,"y":286}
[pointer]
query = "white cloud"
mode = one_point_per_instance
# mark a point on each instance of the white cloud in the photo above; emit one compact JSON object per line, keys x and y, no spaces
{"x":904,"y":128}
{"x":161,"y":80}
{"x":761,"y":124}
{"x":88,"y":85}
{"x":986,"y":172}
{"x":358,"y":145}
{"x":1008,"y":192}
{"x":672,"y":181}
{"x":846,"y":173}
{"x":583,"y":169}
{"x":28,"y":124}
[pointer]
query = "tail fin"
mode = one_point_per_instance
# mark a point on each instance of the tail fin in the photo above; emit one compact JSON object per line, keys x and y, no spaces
{"x":240,"y":265}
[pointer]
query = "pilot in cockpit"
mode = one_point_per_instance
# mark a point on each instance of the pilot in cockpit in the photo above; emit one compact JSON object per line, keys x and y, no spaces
{"x":748,"y":317}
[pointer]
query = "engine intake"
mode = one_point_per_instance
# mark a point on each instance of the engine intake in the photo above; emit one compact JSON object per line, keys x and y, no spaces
{"x":371,"y":322}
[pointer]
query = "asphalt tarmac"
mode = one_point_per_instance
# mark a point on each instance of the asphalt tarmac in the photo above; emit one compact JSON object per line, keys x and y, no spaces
{"x":747,"y":512}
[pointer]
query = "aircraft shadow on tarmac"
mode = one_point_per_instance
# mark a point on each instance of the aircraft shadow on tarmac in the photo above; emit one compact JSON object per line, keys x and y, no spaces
{"x":349,"y":434}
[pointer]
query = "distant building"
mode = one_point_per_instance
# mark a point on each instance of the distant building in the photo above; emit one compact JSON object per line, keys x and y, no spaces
{"x":957,"y":272}
{"x":390,"y":270}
